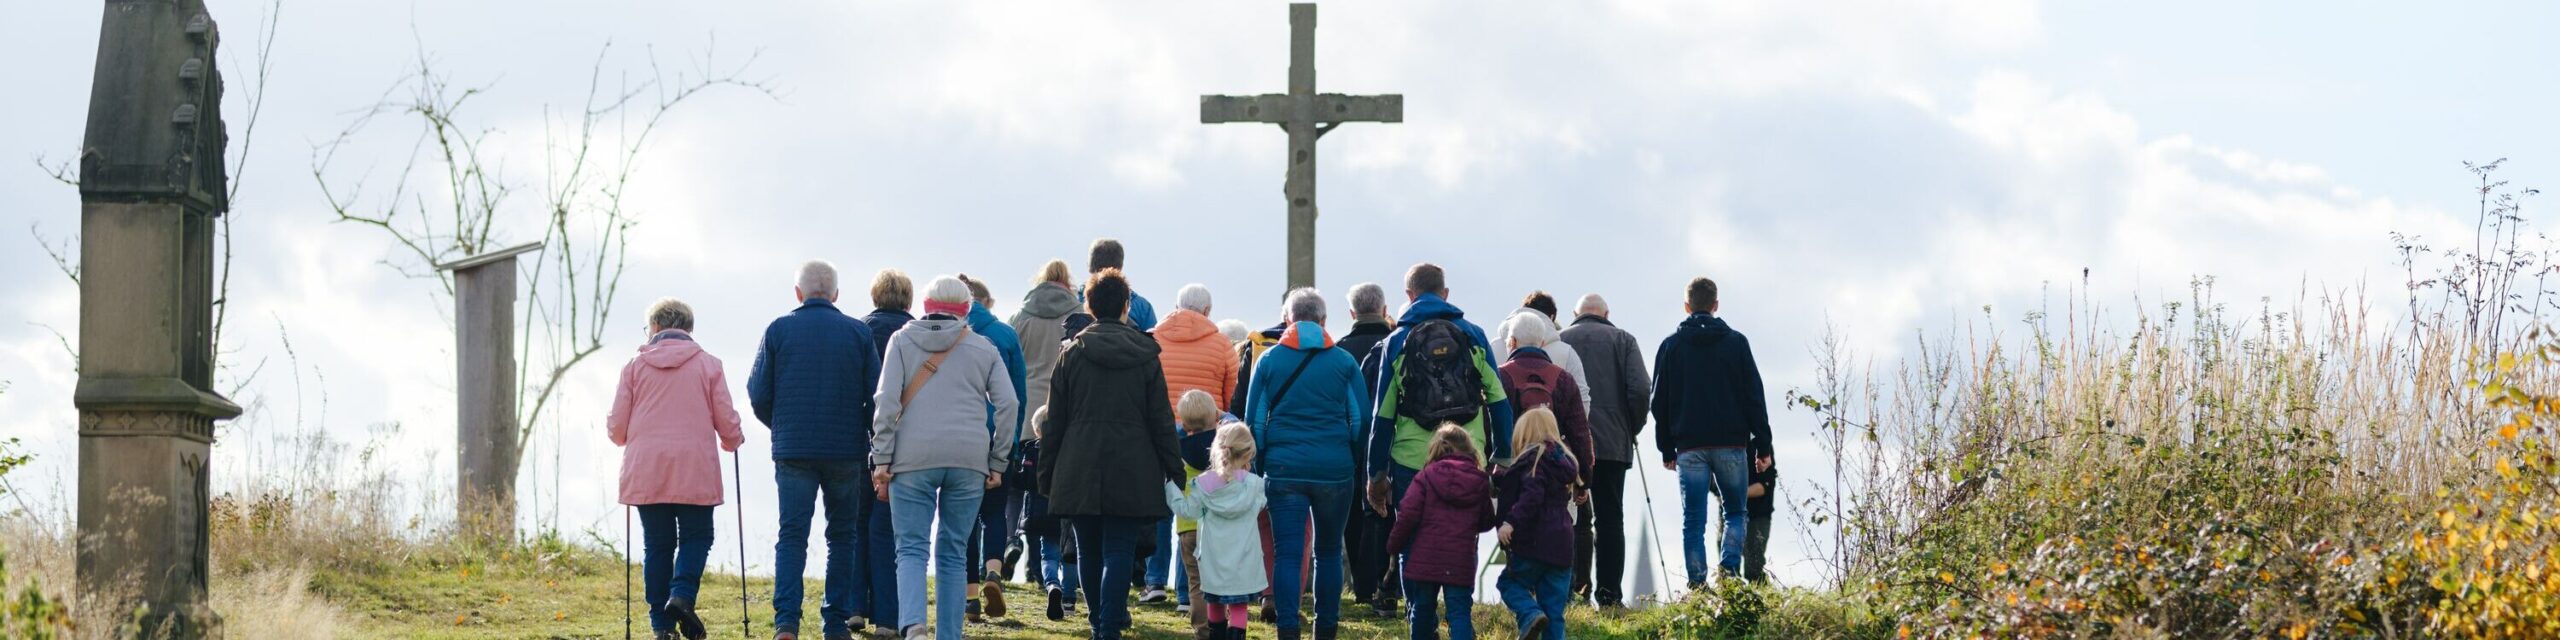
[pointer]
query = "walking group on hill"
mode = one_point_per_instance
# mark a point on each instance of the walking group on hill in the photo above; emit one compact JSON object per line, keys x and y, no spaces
{"x":1107,"y":451}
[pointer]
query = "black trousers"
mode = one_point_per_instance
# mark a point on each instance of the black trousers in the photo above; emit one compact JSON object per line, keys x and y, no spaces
{"x":1600,"y":536}
{"x":1365,"y":550}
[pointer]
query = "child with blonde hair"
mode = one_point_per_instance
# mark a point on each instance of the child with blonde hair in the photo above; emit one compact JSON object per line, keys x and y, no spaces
{"x":1537,"y":525}
{"x":1449,"y":507}
{"x":1226,"y":501}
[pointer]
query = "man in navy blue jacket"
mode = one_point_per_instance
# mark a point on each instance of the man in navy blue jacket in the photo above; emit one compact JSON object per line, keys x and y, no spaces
{"x":814,"y":373}
{"x":1713,"y":418}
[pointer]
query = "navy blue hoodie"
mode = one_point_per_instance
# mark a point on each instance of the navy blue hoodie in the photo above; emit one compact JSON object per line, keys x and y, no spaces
{"x":1707,"y":391}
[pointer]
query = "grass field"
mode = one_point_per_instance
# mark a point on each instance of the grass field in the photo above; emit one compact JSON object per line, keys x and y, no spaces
{"x":526,"y":600}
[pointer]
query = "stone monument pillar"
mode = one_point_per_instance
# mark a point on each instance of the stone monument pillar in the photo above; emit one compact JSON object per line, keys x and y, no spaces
{"x":151,"y":184}
{"x":487,"y":448}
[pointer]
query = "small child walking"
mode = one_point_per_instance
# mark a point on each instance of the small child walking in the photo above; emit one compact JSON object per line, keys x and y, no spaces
{"x":1199,"y":416}
{"x":1537,"y":526}
{"x":1448,"y":509}
{"x":1225,"y":502}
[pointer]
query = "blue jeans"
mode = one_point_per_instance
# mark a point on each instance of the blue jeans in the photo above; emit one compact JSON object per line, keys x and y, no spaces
{"x":934,"y":509}
{"x":1531,"y":588}
{"x":1106,"y":551}
{"x":1426,"y":597}
{"x":1726,"y":475}
{"x":1054,"y":572}
{"x":674,"y":541}
{"x":847,"y":490}
{"x":1160,"y":563}
{"x":1292,"y":503}
{"x":879,"y":572}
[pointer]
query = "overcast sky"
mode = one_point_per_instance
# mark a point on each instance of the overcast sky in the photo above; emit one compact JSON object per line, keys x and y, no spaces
{"x":1884,"y":167}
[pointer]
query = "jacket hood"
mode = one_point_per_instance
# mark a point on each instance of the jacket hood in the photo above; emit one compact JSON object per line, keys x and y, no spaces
{"x":1188,"y":326}
{"x":1235,"y":499}
{"x":1305,"y":336}
{"x":1552,"y":461}
{"x":1457,"y":481}
{"x":980,"y":318}
{"x":1429,"y":307}
{"x":1115,"y":344}
{"x":935,"y":333}
{"x":1703,"y":329}
{"x":1195,"y":448}
{"x":1050,"y":300}
{"x":669,"y":353}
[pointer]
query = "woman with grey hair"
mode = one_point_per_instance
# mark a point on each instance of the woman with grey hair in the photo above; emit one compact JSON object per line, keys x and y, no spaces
{"x":933,"y":452}
{"x":1309,"y":407}
{"x":670,"y":411}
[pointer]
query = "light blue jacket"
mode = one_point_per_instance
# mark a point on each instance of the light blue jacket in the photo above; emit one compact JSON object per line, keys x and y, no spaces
{"x":1230,"y":532}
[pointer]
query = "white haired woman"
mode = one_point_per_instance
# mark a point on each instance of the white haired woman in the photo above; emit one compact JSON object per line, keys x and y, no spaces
{"x":932,"y":451}
{"x":669,"y":412}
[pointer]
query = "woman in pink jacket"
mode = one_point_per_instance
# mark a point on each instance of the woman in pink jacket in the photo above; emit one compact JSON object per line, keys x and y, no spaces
{"x":672,"y":401}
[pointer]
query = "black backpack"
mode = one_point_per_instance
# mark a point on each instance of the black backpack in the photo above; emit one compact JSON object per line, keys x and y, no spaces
{"x":1440,"y":383}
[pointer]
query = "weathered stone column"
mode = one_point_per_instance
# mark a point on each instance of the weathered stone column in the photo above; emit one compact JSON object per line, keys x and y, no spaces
{"x":487,"y":446}
{"x":151,"y":185}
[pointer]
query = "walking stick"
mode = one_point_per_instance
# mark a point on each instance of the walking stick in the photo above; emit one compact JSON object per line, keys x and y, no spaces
{"x":738,"y":473}
{"x":626,"y":572}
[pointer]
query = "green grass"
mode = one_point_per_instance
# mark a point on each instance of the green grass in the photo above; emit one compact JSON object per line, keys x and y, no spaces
{"x":582,"y":598}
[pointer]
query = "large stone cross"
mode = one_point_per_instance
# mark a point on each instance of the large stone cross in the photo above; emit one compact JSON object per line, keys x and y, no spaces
{"x":1306,"y":115}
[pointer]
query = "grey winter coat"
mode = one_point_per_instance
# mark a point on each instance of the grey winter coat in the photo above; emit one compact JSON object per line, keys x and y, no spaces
{"x":946,"y":426}
{"x":1621,"y":387}
{"x":1042,"y":323}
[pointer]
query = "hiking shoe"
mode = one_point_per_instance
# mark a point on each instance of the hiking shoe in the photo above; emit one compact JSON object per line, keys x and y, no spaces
{"x":1153,"y":595}
{"x":666,"y":635}
{"x":993,"y":592}
{"x":786,"y":635}
{"x":682,"y":611}
{"x":975,"y":617}
{"x":1057,"y":604}
{"x":1535,"y":628}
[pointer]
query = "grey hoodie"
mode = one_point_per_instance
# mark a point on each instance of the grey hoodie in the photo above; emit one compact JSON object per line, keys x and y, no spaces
{"x":946,"y":428}
{"x":1042,"y":324}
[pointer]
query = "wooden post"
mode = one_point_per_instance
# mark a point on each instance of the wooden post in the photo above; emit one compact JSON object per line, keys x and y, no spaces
{"x":487,"y":446}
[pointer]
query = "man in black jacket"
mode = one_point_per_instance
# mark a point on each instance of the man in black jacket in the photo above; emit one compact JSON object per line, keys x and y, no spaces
{"x":1714,"y":426}
{"x":1373,"y":572}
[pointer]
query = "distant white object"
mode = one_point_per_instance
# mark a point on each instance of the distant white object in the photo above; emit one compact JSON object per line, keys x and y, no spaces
{"x":1647,"y":592}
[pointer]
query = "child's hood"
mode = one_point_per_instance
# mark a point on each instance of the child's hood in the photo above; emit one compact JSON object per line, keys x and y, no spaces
{"x":1457,"y":482}
{"x":1229,"y":499}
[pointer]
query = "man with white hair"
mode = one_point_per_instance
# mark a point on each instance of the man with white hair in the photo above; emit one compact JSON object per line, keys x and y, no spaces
{"x":812,"y":385}
{"x":1621,"y":387}
{"x":1195,"y":356}
{"x":1374,"y":578}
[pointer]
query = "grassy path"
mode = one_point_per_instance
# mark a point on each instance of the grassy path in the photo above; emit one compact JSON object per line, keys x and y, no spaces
{"x":519,"y":600}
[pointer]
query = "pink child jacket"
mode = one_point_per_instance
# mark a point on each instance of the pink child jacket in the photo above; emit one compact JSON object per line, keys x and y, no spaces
{"x":672,"y":401}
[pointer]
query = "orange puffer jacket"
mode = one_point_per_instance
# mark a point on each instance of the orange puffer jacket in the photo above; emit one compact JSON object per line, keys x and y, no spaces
{"x":1196,"y":356}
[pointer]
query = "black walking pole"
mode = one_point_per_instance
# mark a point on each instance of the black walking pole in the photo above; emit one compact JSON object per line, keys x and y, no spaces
{"x":738,"y":472}
{"x":1662,"y":563}
{"x":626,"y":572}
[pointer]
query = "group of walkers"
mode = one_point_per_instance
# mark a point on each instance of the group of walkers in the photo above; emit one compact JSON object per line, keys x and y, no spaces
{"x":1106,"y":451}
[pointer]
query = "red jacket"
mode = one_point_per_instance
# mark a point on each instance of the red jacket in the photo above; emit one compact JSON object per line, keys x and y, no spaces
{"x":1448,"y":506}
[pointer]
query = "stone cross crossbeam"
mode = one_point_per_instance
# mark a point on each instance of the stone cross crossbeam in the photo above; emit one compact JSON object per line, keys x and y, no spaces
{"x":1306,"y":116}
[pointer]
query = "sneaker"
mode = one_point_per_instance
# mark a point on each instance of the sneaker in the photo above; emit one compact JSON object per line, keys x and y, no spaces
{"x":786,"y":635}
{"x":993,"y":593}
{"x":1535,"y":628}
{"x":1057,"y":604}
{"x":1071,"y":606}
{"x":682,"y":611}
{"x":1182,"y":608}
{"x":974,"y":616}
{"x":917,"y":632}
{"x":666,"y":635}
{"x":1153,"y":595}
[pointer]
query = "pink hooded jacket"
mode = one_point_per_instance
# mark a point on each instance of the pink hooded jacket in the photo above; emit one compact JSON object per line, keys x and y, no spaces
{"x":672,"y":400}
